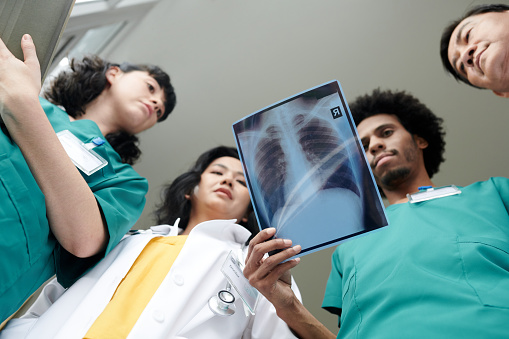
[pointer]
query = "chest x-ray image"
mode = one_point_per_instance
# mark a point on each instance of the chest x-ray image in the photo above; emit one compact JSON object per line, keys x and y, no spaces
{"x":306,"y":170}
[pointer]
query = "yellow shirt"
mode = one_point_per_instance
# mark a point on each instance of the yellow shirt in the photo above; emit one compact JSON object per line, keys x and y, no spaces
{"x":137,"y":288}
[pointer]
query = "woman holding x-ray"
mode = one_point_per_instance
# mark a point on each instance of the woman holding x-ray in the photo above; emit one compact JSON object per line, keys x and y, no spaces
{"x":158,"y":284}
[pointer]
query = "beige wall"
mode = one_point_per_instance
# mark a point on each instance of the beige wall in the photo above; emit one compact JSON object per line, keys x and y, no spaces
{"x":230,"y":58}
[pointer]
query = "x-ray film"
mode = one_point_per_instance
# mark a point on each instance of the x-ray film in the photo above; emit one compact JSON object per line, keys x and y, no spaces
{"x":306,"y":170}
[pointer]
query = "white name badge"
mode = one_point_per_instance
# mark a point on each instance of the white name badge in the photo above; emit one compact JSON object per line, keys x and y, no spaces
{"x":85,"y":159}
{"x":433,"y":193}
{"x":232,"y":269}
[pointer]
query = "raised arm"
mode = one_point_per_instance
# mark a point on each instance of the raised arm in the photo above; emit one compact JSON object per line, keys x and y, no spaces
{"x":272,"y":278}
{"x":72,"y":210}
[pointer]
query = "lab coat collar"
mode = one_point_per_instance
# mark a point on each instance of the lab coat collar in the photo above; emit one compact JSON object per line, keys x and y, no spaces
{"x":220,"y":229}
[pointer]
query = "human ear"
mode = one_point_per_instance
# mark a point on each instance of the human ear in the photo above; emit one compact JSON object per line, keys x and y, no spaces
{"x":245,"y":218}
{"x":501,"y":94}
{"x":112,"y":74}
{"x":421,"y":142}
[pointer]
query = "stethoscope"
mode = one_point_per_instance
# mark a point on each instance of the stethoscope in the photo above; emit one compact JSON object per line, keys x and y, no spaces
{"x":222,"y":303}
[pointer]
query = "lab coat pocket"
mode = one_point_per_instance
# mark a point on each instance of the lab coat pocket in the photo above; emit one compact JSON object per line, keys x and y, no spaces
{"x":207,"y":325}
{"x":486,"y":269}
{"x":196,"y":323}
{"x":17,"y":328}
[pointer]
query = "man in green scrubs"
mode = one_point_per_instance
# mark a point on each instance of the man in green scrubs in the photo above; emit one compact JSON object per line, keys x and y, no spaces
{"x":441,"y":267}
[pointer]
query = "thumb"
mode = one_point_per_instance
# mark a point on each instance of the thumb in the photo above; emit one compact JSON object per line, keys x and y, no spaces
{"x":29,"y":52}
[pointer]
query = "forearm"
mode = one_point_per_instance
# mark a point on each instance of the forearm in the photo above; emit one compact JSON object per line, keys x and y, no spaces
{"x":72,"y":210}
{"x":271,"y":277}
{"x":302,"y":322}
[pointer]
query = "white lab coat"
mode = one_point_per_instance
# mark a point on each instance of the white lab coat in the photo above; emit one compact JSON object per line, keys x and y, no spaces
{"x":178,"y":309}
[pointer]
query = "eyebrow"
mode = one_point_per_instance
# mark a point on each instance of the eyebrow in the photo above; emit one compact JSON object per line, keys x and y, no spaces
{"x":458,"y":36}
{"x":458,"y":39}
{"x":378,"y":129}
{"x":226,"y":168}
{"x":163,"y":108}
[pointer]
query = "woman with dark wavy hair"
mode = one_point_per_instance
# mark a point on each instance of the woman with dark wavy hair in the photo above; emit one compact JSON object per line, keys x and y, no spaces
{"x":76,"y":88}
{"x":67,"y":190}
{"x":164,"y":282}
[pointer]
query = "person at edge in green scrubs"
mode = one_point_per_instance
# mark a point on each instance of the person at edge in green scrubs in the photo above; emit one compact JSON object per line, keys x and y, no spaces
{"x":54,"y":217}
{"x":441,"y":267}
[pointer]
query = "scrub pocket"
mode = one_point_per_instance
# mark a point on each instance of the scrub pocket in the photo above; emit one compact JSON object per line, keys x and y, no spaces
{"x":350,"y":309}
{"x":23,"y":227}
{"x":486,"y":268}
{"x":105,"y":173}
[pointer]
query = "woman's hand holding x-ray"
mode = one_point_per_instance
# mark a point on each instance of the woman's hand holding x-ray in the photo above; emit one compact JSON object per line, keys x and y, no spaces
{"x":269,"y":275}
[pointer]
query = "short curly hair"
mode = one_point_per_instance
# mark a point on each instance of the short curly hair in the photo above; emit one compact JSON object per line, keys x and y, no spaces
{"x":447,"y":33}
{"x":412,"y":114}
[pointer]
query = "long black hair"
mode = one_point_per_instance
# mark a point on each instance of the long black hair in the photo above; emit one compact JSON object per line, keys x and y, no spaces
{"x":174,"y":204}
{"x":76,"y":87}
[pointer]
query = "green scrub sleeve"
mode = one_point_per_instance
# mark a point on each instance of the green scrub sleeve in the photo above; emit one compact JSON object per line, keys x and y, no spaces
{"x":120,"y":193}
{"x":502,"y":185}
{"x":121,"y":206}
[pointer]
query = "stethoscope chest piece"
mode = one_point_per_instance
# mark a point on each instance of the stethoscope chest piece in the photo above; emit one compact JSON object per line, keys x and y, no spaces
{"x":222,"y":304}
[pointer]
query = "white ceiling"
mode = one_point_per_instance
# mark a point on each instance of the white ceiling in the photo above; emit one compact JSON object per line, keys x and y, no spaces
{"x":229,"y":58}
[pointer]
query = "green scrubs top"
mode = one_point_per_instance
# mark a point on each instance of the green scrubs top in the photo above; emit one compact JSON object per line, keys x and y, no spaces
{"x":29,"y":251}
{"x":439,"y":270}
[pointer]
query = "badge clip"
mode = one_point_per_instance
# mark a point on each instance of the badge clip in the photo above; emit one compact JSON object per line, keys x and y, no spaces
{"x":428,"y":193}
{"x":233,"y":271}
{"x":82,"y":157}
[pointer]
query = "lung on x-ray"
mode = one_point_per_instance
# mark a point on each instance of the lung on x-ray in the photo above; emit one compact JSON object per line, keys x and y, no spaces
{"x":306,"y":170}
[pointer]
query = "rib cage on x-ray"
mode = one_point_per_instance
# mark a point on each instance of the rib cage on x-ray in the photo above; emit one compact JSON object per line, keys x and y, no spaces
{"x":271,"y":167}
{"x":323,"y":149}
{"x":318,"y":141}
